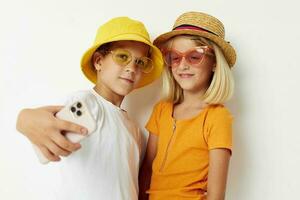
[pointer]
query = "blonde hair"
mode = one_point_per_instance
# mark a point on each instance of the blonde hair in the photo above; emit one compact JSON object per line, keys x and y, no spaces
{"x":220,"y":88}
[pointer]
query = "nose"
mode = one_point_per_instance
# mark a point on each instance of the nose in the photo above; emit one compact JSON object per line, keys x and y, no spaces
{"x":131,"y":67}
{"x":183,"y":64}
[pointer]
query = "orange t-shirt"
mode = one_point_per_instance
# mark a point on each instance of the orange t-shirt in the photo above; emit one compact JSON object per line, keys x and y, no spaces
{"x":180,"y":168}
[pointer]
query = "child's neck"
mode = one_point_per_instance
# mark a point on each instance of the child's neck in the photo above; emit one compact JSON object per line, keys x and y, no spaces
{"x":190,"y":107}
{"x":193,"y":99}
{"x":109,"y":95}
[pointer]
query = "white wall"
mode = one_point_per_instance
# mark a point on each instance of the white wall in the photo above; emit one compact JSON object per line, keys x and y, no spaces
{"x":41,"y":43}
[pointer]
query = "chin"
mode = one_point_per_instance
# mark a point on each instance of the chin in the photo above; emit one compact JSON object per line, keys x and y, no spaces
{"x":187,"y":86}
{"x":123,"y":91}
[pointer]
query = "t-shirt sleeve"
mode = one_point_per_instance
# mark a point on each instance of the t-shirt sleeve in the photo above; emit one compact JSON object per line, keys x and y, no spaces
{"x":219,"y":133}
{"x":153,"y":123}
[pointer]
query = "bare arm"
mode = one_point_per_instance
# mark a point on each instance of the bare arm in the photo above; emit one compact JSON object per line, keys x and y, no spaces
{"x":43,"y":129}
{"x":146,"y":167}
{"x":217,"y":173}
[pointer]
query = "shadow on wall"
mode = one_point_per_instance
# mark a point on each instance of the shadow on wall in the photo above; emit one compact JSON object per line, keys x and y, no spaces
{"x":237,"y":178}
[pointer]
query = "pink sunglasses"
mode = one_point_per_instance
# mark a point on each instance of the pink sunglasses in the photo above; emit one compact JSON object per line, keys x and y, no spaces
{"x":193,"y":56}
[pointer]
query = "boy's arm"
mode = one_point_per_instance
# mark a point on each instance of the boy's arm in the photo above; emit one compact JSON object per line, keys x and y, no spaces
{"x":146,"y":167}
{"x":217,"y":173}
{"x":43,"y":129}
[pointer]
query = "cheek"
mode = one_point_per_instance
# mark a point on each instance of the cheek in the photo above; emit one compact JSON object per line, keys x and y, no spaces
{"x":207,"y":67}
{"x":173,"y":71}
{"x":205,"y":78}
{"x":205,"y":74}
{"x":210,"y":63}
{"x":109,"y":74}
{"x":138,"y":77}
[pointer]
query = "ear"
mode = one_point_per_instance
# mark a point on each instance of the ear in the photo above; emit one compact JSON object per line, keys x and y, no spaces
{"x":97,"y":60}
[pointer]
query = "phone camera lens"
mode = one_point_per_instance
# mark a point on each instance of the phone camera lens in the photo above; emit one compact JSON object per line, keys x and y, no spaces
{"x":78,"y":113}
{"x":79,"y":105}
{"x":73,"y":109}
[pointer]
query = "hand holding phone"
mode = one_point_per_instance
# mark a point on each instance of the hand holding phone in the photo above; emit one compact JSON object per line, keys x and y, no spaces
{"x":78,"y":113}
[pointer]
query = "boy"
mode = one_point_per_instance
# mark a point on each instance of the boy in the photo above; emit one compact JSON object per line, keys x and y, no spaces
{"x":121,"y":59}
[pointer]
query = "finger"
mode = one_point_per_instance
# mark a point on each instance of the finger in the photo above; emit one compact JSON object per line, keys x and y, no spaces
{"x":64,"y":143}
{"x":56,"y":150}
{"x":71,"y":127}
{"x":50,"y":156}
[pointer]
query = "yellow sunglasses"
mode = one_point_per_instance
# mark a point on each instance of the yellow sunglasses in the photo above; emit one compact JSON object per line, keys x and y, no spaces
{"x":123,"y":57}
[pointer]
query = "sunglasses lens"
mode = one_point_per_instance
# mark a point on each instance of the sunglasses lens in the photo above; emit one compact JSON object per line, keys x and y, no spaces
{"x":195,"y":57}
{"x":172,"y":58}
{"x":144,"y":64}
{"x":122,"y":57}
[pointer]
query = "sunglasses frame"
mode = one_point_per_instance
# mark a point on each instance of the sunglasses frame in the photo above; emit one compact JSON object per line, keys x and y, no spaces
{"x":113,"y":52}
{"x":205,"y":50}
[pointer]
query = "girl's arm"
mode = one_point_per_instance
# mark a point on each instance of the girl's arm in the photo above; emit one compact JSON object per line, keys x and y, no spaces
{"x":217,"y":173}
{"x":43,"y":129}
{"x":146,"y":167}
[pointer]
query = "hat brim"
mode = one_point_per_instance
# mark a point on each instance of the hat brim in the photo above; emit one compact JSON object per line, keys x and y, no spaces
{"x":226,"y":48}
{"x":147,"y":78}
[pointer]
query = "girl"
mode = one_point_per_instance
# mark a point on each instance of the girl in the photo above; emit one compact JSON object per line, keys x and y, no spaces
{"x":189,"y":144}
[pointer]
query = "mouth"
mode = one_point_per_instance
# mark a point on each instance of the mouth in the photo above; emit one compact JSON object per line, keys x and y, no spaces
{"x":128,"y":80}
{"x":185,"y":75}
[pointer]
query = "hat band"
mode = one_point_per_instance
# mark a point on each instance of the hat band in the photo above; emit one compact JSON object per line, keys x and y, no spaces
{"x":189,"y":27}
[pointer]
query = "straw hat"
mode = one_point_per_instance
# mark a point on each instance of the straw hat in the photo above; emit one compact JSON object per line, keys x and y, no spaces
{"x":119,"y":29}
{"x":204,"y":25}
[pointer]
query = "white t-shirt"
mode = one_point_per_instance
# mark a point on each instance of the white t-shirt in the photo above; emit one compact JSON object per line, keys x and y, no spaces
{"x":106,"y":167}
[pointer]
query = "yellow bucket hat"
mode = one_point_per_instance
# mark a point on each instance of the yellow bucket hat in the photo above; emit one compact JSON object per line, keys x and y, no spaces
{"x":118,"y":29}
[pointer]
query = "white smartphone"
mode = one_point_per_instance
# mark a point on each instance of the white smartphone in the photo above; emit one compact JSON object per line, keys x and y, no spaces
{"x":77,"y":113}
